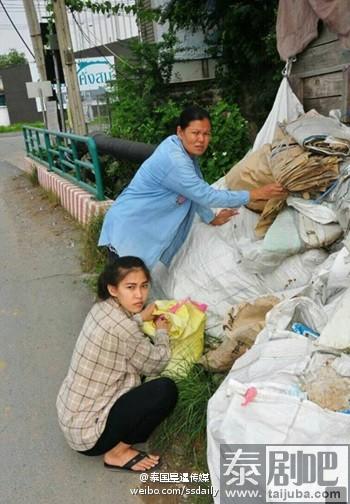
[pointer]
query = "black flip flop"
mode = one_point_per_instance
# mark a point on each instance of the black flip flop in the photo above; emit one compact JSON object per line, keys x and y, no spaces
{"x":127,"y":467}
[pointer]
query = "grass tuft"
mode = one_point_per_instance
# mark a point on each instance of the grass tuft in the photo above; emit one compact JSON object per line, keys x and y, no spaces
{"x":33,"y":176}
{"x":188,"y":421}
{"x":52,"y":197}
{"x":18,"y":126}
{"x":94,"y":257}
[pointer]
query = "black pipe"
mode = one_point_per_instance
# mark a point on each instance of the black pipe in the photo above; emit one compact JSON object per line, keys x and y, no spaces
{"x":122,"y":149}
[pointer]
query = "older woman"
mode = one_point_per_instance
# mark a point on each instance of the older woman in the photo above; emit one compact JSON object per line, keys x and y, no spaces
{"x":153,"y":215}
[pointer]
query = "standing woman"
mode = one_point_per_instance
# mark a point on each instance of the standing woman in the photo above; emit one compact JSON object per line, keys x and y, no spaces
{"x":153,"y":215}
{"x":103,"y":408}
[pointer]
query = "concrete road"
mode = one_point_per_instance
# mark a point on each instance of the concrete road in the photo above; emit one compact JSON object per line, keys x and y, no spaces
{"x":43,"y":302}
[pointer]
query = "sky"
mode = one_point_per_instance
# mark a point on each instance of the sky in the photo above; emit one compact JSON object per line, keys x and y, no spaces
{"x":8,"y":36}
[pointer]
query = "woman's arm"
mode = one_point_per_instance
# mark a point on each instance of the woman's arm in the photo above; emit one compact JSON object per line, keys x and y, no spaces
{"x":146,"y":357}
{"x":182,"y":178}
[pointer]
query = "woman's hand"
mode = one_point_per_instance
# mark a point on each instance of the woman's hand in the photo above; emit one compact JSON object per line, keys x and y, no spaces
{"x":146,"y":313}
{"x":268,"y":191}
{"x":161,"y":322}
{"x":223,"y":216}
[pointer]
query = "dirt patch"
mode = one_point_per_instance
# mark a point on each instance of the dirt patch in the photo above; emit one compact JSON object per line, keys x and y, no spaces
{"x":32,"y":208}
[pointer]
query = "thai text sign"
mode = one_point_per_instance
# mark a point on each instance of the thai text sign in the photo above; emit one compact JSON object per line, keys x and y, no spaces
{"x":94,"y":73}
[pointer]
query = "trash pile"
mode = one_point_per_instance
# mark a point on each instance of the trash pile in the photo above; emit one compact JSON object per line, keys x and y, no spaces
{"x":270,"y":248}
{"x":299,"y":368}
{"x":276,"y":280}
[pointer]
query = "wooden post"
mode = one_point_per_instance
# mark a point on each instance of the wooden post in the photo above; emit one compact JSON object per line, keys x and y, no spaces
{"x":346,"y":95}
{"x":69,"y":69}
{"x":35,"y":34}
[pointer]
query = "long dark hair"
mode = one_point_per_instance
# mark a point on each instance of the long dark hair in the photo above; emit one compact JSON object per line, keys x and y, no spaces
{"x":116,"y":270}
{"x":192,"y":113}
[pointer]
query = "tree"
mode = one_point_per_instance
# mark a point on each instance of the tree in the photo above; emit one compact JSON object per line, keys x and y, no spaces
{"x":241,"y":35}
{"x":13,"y":57}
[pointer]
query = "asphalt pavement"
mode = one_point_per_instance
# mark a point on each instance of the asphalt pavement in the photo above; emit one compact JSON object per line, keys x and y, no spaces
{"x":43,"y":302}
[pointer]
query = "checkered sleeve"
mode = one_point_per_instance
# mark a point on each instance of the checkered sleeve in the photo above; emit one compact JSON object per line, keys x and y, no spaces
{"x":145,"y":357}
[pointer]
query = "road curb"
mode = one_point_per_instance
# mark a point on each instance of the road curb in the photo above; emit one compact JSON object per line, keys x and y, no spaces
{"x":80,"y":204}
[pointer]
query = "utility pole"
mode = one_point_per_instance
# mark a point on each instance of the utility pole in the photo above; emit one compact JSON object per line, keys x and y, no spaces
{"x":69,"y":69}
{"x":35,"y":34}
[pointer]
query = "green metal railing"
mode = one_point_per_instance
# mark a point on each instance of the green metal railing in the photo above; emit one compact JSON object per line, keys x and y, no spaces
{"x":60,"y":153}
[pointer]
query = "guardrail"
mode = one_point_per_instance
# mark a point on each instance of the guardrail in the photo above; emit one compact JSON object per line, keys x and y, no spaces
{"x":60,"y":152}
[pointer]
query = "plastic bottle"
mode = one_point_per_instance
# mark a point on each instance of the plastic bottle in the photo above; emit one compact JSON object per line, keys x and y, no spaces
{"x":304,"y":330}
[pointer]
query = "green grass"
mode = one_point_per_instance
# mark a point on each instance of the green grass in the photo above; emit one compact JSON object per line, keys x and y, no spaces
{"x":181,"y":438}
{"x":33,"y":176}
{"x":102,"y":119}
{"x":188,"y":421}
{"x":18,"y":126}
{"x":93,"y":257}
{"x":52,"y":197}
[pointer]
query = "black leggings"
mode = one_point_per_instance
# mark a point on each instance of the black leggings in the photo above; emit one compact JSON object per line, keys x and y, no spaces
{"x":136,"y":414}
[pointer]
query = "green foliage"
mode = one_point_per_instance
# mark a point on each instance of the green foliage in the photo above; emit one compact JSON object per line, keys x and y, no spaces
{"x":108,"y":8}
{"x":13,"y":57}
{"x":143,"y":109}
{"x":229,"y":141}
{"x":105,"y":7}
{"x":160,"y":123}
{"x":241,"y":35}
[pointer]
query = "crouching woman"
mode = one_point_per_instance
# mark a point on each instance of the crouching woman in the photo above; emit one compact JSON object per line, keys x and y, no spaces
{"x":103,"y":408}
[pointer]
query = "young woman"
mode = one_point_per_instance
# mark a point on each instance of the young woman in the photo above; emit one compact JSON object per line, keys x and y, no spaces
{"x":153,"y":215}
{"x":103,"y":408}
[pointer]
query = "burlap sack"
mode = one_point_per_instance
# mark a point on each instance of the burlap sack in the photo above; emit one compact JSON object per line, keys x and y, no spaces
{"x":242,"y":325}
{"x":269,"y":214}
{"x":251,"y":172}
{"x":298,"y":171}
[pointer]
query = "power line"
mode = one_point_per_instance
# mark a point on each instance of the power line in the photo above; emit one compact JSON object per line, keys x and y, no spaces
{"x":4,"y":26}
{"x":99,"y":50}
{"x":15,"y":27}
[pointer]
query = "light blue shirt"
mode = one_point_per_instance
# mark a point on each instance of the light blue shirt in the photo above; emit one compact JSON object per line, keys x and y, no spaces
{"x":151,"y":218}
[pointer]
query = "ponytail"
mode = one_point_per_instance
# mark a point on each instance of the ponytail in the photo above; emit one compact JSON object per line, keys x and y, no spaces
{"x":102,"y":282}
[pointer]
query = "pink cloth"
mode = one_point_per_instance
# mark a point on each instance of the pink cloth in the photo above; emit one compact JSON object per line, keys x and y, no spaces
{"x":297,"y":23}
{"x":201,"y":306}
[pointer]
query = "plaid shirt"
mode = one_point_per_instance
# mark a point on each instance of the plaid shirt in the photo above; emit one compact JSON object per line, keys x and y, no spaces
{"x":110,"y":356}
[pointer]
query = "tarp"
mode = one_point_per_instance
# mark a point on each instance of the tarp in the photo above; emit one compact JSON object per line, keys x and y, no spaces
{"x":286,"y":107}
{"x":279,"y":367}
{"x":297,"y":22}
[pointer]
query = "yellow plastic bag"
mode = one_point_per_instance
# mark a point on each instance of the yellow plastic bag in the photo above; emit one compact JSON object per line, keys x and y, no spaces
{"x":186,"y":333}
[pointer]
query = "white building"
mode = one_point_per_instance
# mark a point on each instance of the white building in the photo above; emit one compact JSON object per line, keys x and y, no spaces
{"x":4,"y":115}
{"x":90,"y":30}
{"x":192,"y":61}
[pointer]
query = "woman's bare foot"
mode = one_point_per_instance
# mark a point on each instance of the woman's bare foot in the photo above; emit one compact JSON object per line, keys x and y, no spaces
{"x":122,"y":453}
